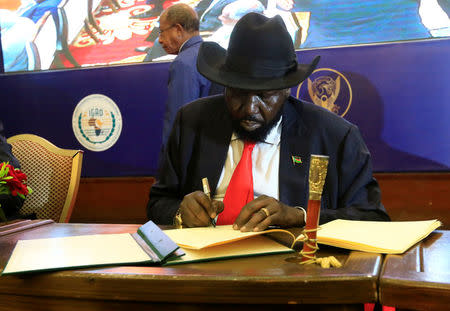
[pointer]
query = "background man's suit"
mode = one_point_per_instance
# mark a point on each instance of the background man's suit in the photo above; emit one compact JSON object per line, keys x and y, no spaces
{"x":199,"y":142}
{"x":185,"y":82}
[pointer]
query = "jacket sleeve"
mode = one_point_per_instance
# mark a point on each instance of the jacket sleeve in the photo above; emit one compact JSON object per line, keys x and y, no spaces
{"x":358,"y":193}
{"x":6,"y":153}
{"x":164,"y":197}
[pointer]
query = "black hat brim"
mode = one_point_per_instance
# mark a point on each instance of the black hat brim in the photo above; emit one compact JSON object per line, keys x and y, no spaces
{"x":211,"y":64}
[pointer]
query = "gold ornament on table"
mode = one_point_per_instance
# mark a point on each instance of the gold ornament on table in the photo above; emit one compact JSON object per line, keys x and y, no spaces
{"x":317,"y":175}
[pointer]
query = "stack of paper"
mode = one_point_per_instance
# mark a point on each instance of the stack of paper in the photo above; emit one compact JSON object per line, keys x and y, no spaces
{"x":387,"y":237}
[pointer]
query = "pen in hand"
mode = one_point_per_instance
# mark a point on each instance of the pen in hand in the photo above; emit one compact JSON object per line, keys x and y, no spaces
{"x":207,"y":191}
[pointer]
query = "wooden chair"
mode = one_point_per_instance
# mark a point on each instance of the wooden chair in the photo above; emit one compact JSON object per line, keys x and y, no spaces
{"x":53,"y":175}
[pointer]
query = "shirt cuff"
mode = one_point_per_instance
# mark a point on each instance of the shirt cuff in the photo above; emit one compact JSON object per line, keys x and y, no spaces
{"x":304,"y":212}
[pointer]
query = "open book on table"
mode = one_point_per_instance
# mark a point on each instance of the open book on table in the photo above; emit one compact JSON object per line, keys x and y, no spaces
{"x":387,"y":237}
{"x":223,"y":242}
{"x":149,"y":245}
{"x":152,"y":246}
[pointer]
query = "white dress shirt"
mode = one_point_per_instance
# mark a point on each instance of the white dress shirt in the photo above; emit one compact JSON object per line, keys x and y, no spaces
{"x":265,"y":164}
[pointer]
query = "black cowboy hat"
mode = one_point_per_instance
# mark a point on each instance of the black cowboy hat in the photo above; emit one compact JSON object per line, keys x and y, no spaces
{"x":260,"y":57}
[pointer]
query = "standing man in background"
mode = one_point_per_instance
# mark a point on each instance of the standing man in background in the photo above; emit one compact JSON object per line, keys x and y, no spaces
{"x":179,"y":34}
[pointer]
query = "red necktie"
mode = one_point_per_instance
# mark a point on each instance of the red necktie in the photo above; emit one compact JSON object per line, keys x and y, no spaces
{"x":240,"y":189}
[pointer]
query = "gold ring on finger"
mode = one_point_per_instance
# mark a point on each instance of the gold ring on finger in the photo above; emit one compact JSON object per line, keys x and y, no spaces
{"x":266,"y":211}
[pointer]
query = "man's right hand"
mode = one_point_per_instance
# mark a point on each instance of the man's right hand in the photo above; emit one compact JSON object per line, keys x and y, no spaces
{"x":197,"y":209}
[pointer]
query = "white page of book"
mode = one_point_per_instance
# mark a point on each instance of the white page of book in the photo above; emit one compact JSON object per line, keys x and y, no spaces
{"x":256,"y":245}
{"x":201,"y":237}
{"x":74,"y":251}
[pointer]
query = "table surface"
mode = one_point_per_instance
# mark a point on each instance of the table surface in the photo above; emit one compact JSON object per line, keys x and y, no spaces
{"x":420,"y":278}
{"x":261,"y":280}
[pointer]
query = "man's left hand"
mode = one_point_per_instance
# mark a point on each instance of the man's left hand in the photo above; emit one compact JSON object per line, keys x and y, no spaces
{"x":264,"y":211}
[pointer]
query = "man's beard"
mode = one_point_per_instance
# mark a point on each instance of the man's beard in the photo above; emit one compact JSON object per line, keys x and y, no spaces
{"x":260,"y":133}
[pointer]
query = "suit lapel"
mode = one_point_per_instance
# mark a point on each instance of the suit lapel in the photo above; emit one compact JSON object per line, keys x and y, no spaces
{"x":295,"y":142}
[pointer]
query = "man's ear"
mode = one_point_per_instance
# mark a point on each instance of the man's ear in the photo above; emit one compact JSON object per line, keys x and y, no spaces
{"x":179,"y":28}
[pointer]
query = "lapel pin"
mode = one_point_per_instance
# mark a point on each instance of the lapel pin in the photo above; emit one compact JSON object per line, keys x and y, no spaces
{"x":296,"y":160}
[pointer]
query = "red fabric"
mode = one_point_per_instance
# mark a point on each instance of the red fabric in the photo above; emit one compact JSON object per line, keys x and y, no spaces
{"x":240,"y":189}
{"x":371,"y":307}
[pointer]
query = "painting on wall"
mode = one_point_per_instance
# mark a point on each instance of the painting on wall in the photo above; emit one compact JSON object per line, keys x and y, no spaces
{"x":61,"y":34}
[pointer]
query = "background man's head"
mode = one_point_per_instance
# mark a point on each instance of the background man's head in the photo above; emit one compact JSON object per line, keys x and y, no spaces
{"x":177,"y":24}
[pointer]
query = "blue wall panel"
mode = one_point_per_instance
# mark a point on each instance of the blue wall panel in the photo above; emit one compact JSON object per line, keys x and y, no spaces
{"x":400,"y":101}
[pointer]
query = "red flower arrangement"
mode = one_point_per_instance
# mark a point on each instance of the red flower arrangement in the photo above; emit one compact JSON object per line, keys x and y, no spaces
{"x":12,"y":181}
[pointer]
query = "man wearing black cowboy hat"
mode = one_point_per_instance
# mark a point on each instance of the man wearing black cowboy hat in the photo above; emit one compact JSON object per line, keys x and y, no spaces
{"x":254,"y":143}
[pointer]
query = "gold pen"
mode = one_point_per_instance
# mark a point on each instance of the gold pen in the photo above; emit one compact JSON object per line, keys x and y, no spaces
{"x":207,"y":191}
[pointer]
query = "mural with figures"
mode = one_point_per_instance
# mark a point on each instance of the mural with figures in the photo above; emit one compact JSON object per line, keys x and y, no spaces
{"x":59,"y":34}
{"x":88,"y":74}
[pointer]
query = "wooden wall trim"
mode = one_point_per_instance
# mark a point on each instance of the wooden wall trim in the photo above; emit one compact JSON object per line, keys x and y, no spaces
{"x":112,"y":200}
{"x":416,"y":196}
{"x":406,"y":196}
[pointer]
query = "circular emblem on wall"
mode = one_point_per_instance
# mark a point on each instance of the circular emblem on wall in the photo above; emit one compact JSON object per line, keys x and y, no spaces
{"x":97,"y":122}
{"x":327,"y":88}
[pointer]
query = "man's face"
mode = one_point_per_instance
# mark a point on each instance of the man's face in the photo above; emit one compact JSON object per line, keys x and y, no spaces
{"x":254,"y":113}
{"x":170,"y":36}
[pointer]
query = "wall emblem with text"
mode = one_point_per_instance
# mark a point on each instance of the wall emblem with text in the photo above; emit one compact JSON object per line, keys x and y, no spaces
{"x":97,"y":122}
{"x":327,"y":88}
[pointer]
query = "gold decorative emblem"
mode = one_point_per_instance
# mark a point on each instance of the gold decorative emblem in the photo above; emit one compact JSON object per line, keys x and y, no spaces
{"x":328,"y":91}
{"x":97,"y":122}
{"x":324,"y":91}
{"x":317,"y":174}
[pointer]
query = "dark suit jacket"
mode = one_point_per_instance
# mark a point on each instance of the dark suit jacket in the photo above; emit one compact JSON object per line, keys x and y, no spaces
{"x":9,"y":203}
{"x":185,"y":82}
{"x":200,"y":138}
{"x":5,"y":150}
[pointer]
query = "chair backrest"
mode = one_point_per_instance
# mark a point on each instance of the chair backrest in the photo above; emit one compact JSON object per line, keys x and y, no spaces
{"x":53,"y":175}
